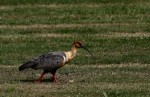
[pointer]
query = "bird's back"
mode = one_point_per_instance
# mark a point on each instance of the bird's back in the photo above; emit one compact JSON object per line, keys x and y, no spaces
{"x":48,"y":62}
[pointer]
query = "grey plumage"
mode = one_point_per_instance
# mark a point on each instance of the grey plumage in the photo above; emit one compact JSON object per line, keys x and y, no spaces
{"x":48,"y":62}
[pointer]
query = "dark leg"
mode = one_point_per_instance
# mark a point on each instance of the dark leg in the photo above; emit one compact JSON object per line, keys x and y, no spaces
{"x":40,"y":78}
{"x":54,"y":76}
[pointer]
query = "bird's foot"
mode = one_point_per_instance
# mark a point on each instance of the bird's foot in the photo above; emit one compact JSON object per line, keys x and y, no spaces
{"x":37,"y":82}
{"x":54,"y":79}
{"x":55,"y":82}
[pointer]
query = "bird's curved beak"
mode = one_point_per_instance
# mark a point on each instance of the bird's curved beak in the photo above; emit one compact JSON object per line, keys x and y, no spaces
{"x":87,"y":50}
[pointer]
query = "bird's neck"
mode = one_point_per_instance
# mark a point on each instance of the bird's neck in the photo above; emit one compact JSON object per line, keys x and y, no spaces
{"x":71,"y":54}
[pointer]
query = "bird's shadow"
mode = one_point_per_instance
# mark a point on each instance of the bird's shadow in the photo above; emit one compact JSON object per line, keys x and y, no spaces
{"x":33,"y":80}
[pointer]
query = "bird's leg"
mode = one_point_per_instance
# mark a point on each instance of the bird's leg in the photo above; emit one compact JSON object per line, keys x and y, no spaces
{"x":40,"y":78}
{"x":54,"y":78}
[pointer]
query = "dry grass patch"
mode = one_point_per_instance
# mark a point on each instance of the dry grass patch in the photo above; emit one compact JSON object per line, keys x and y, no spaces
{"x":36,"y":36}
{"x":54,"y":35}
{"x":105,"y":66}
{"x":90,"y":5}
{"x":137,"y":34}
{"x":44,"y":26}
{"x":123,"y":34}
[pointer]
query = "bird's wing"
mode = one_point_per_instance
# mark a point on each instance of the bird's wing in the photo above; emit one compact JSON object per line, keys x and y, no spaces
{"x":50,"y":61}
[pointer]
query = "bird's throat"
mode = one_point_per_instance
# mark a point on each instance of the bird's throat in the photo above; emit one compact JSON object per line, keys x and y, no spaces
{"x":71,"y":54}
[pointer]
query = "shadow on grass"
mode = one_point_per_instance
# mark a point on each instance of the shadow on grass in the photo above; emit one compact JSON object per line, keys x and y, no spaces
{"x":33,"y":80}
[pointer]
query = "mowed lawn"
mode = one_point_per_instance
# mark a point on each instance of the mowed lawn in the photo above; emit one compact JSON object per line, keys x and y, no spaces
{"x":116,"y":32}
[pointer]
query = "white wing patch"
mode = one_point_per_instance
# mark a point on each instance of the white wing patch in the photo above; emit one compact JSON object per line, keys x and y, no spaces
{"x":65,"y":59}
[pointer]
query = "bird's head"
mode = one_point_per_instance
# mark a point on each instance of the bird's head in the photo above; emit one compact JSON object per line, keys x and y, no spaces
{"x":79,"y":44}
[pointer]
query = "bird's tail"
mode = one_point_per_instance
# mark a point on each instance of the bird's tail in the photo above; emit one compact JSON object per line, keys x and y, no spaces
{"x":29,"y":64}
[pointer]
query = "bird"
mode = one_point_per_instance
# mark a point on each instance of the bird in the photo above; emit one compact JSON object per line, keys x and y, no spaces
{"x":52,"y":61}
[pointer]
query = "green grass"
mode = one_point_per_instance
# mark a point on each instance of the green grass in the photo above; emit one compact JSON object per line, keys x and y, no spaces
{"x":82,"y":13}
{"x":116,"y":32}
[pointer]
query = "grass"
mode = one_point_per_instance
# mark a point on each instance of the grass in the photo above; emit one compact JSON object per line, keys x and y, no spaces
{"x":116,"y":32}
{"x":16,"y":2}
{"x":121,"y":80}
{"x":55,"y":14}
